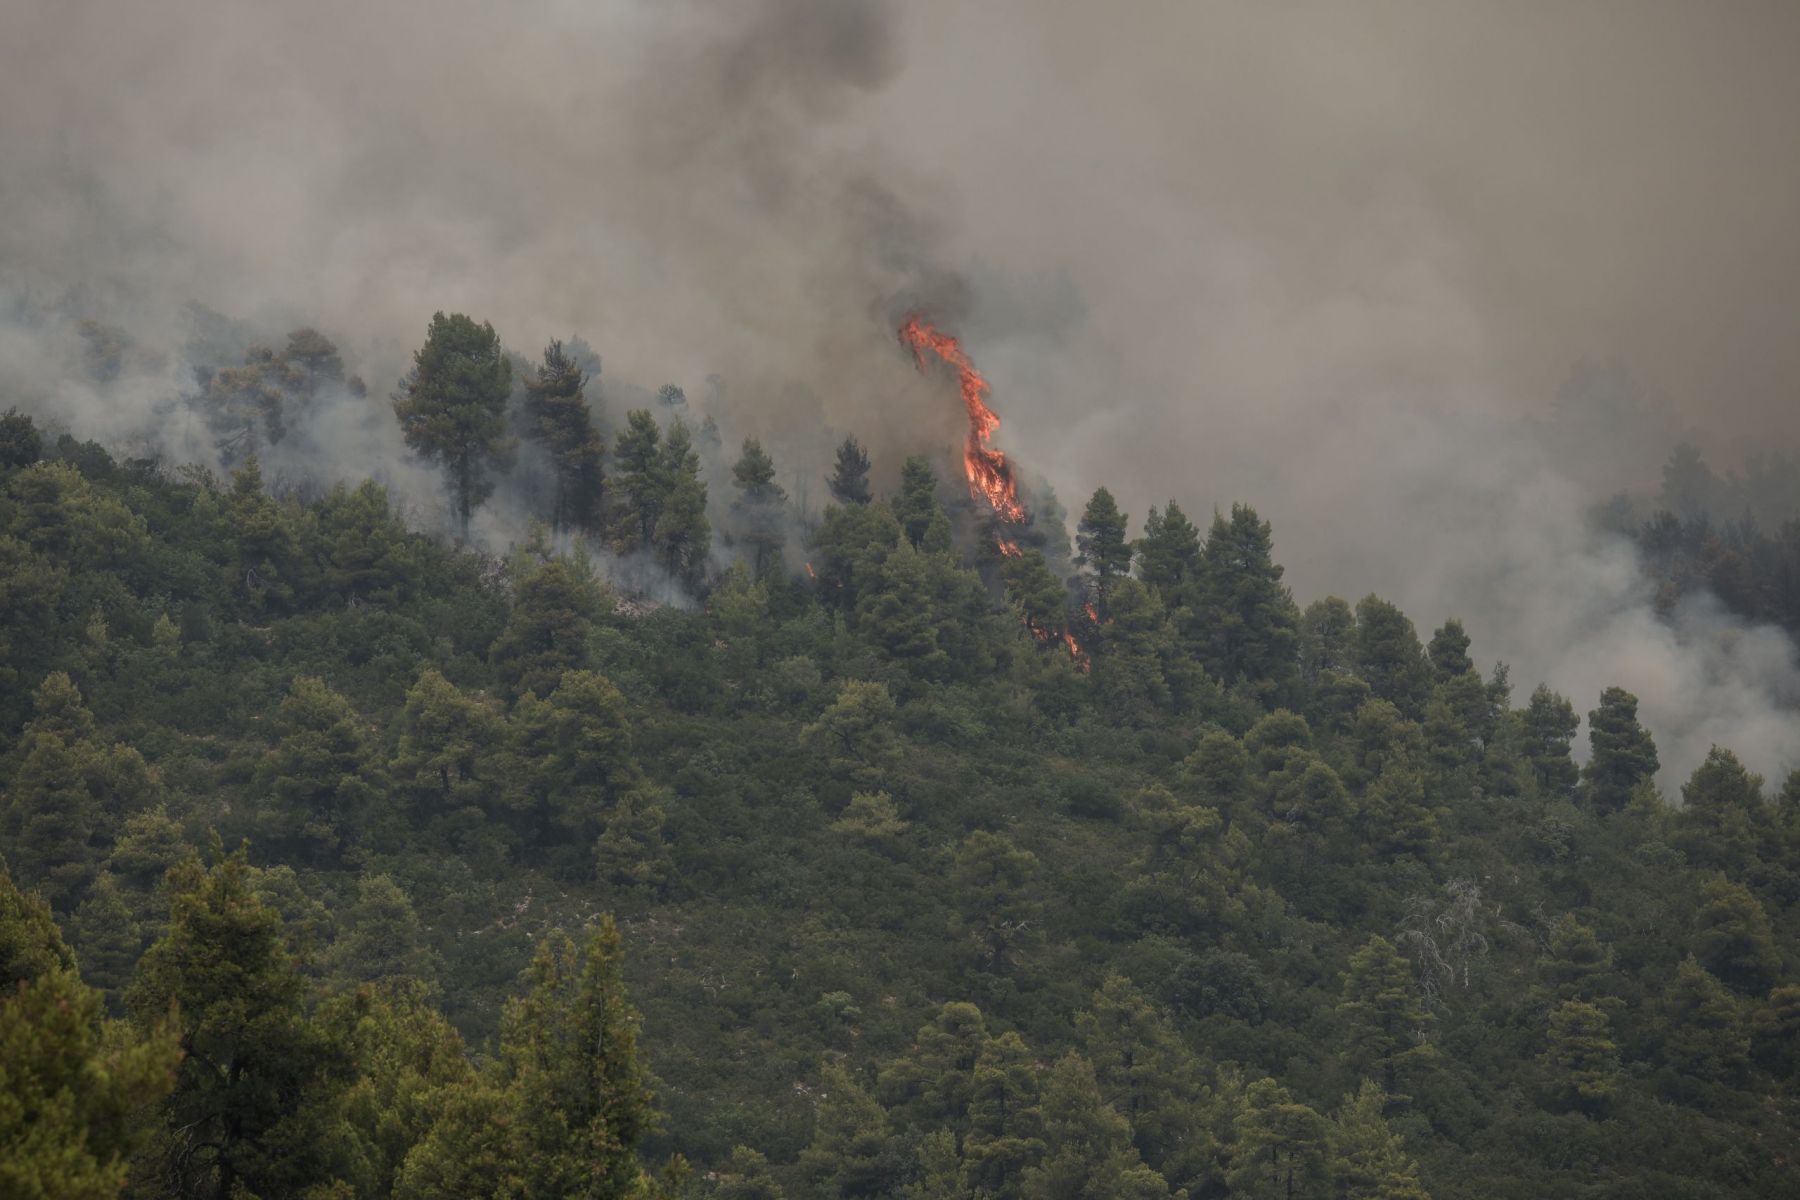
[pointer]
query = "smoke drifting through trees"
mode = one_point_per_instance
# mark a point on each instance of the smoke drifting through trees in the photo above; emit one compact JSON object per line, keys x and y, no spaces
{"x":1321,"y":260}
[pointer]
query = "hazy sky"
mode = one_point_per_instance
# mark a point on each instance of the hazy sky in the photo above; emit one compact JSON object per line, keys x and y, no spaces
{"x":1319,"y":257}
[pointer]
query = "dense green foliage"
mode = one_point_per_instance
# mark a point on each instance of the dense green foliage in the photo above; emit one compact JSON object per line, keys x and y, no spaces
{"x":1240,"y":898}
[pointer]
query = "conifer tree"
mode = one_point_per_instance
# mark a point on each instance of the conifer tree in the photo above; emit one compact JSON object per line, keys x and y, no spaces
{"x":1703,"y":1030}
{"x":1580,"y":1057}
{"x":1623,"y":753}
{"x":1733,"y":938}
{"x":1101,"y":546}
{"x":556,"y":407}
{"x":1041,"y":598}
{"x":1148,"y":1076}
{"x":1168,"y":554}
{"x":1368,"y":1159}
{"x":452,"y":408}
{"x":1089,"y":1155}
{"x":266,"y":564}
{"x":853,"y":1151}
{"x":547,"y":630}
{"x":758,"y":508}
{"x":1547,"y":727}
{"x":1281,"y":1147}
{"x":381,"y":936}
{"x":1578,"y":965}
{"x":916,"y":507}
{"x":72,"y":1084}
{"x":1242,"y":622}
{"x":318,"y":781}
{"x":1327,"y":638}
{"x":683,"y":536}
{"x":997,"y":906}
{"x":446,"y":747}
{"x":1389,"y":657}
{"x":258,"y":1076}
{"x":1720,"y":803}
{"x":1449,"y":651}
{"x":1383,"y":1017}
{"x":849,"y":480}
{"x":1005,"y":1133}
{"x":579,"y":1089}
{"x":640,"y":480}
{"x":67,"y":792}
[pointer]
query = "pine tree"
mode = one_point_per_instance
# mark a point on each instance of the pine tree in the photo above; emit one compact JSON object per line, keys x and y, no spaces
{"x":853,"y":1151}
{"x":746,"y":1175}
{"x":1101,"y":546}
{"x":1623,"y":753}
{"x":578,"y":1085}
{"x":1327,"y":638}
{"x":447,"y":743}
{"x":410,"y":1061}
{"x":1578,"y":966}
{"x":896,"y":613}
{"x":1243,"y":624}
{"x":1703,"y":1030}
{"x":266,"y":565}
{"x":547,"y":630}
{"x":640,"y":480}
{"x":1580,"y":1057}
{"x":366,"y":552}
{"x":1381,"y":1011}
{"x":1547,"y":727}
{"x":68,"y":789}
{"x":557,"y":409}
{"x":1039,"y":596}
{"x":318,"y":781}
{"x":849,"y":481}
{"x":1389,"y":656}
{"x":452,"y":407}
{"x":916,"y":507}
{"x":997,"y":906}
{"x":1733,"y":938}
{"x":1368,"y":1159}
{"x":683,"y":536}
{"x":1168,"y":555}
{"x":381,"y":936}
{"x":1720,"y":803}
{"x":109,"y":937}
{"x":932,"y":1084}
{"x":1449,"y":651}
{"x":1280,"y":1147}
{"x":1005,"y":1133}
{"x":258,"y":1076}
{"x":1089,"y":1154}
{"x":71,"y":1083}
{"x":758,"y":508}
{"x":1148,"y":1076}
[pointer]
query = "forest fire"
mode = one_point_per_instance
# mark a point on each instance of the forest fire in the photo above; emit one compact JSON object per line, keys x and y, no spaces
{"x":990,"y":478}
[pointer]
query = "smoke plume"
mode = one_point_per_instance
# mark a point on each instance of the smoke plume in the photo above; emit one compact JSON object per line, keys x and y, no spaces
{"x":1337,"y":261}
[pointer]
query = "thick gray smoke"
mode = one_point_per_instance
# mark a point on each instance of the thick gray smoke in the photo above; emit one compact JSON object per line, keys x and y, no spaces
{"x":1335,"y":260}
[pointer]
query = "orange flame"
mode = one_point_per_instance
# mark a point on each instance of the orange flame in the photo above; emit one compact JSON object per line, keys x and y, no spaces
{"x":1075,"y":650}
{"x":990,"y":478}
{"x":810,"y":573}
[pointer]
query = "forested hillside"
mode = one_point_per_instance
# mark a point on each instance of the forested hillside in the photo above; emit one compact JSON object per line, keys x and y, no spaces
{"x":700,"y":845}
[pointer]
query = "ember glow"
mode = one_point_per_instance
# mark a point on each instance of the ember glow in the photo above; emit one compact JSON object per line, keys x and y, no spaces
{"x":990,"y":478}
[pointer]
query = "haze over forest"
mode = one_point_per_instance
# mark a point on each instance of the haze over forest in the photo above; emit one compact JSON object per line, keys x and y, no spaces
{"x":528,"y":668}
{"x":1343,"y":262}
